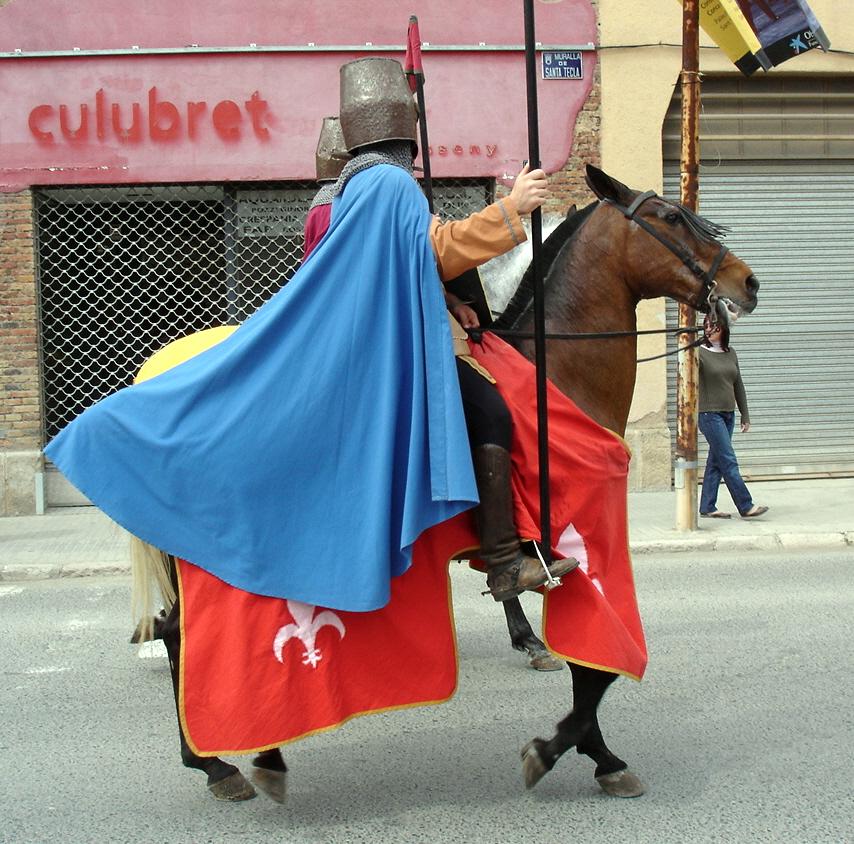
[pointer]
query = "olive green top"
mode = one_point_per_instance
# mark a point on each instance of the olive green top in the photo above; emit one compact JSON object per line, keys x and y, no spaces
{"x":721,"y":387}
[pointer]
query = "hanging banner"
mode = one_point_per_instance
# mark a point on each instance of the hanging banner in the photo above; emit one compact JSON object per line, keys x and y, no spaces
{"x":761,"y":33}
{"x":785,"y":28}
{"x":724,"y":23}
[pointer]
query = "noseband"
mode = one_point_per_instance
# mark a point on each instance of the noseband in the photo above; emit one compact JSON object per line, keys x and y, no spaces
{"x":705,"y":298}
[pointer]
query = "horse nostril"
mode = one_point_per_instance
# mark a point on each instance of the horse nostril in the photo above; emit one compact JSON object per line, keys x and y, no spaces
{"x":752,"y":283}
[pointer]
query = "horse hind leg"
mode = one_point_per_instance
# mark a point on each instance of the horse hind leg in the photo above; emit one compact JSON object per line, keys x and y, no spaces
{"x":149,"y":630}
{"x":269,"y":773}
{"x":580,"y":729}
{"x":522,"y":638}
{"x":225,"y":782}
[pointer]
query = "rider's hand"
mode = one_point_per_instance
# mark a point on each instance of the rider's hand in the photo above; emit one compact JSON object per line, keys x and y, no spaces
{"x":465,"y":316}
{"x":745,"y":427}
{"x":530,"y":189}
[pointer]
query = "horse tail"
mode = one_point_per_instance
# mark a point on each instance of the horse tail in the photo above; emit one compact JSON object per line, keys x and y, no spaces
{"x":150,"y":567}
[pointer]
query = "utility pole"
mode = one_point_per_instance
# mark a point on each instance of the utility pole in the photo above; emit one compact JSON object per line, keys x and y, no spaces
{"x":687,"y":377}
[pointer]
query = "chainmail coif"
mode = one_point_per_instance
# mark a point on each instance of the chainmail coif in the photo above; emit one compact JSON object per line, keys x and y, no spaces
{"x":396,"y":153}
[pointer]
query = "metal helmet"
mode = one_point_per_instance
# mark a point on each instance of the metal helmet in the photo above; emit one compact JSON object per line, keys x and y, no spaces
{"x":331,"y":154}
{"x":376,"y":103}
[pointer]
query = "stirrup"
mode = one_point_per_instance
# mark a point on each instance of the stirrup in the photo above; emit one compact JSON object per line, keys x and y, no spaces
{"x":511,"y":571}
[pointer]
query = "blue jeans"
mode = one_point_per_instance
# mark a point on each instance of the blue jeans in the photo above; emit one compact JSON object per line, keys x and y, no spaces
{"x":717,"y":427}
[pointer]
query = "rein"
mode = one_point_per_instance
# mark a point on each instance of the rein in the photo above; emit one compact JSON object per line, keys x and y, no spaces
{"x":477,"y":333}
{"x":704,"y":301}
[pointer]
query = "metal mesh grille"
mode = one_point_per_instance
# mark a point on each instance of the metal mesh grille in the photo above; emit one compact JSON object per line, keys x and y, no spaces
{"x":125,"y":270}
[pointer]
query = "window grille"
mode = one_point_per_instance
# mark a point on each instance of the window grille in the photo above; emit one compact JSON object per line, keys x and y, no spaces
{"x":123,"y":271}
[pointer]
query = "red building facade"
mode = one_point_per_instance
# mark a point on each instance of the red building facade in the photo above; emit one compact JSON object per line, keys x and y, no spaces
{"x":208,"y":115}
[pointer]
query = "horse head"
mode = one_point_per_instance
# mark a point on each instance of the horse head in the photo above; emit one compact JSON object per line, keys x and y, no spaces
{"x":672,"y":251}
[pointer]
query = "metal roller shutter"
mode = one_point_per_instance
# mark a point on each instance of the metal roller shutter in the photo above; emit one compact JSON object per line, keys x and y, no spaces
{"x":794,"y":225}
{"x":792,"y":220}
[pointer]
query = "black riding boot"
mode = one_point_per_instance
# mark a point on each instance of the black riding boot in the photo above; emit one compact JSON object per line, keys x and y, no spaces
{"x":509,"y":572}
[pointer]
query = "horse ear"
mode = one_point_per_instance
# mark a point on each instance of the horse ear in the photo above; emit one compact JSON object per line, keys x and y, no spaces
{"x":570,"y":211}
{"x":607,"y":188}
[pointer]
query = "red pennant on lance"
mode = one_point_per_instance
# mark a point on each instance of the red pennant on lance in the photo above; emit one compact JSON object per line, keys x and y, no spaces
{"x":258,"y":672}
{"x":412,"y":63}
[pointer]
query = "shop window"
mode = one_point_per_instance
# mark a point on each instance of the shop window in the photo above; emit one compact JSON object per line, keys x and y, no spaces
{"x":125,"y":270}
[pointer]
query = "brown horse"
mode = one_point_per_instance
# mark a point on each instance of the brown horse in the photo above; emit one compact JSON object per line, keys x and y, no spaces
{"x":612,"y":263}
{"x":625,"y":247}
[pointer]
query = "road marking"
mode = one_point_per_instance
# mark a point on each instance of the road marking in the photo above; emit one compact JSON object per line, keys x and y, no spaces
{"x":48,"y":669}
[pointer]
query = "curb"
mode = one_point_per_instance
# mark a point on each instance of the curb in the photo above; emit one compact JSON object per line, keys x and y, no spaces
{"x":20,"y":573}
{"x":831,"y":540}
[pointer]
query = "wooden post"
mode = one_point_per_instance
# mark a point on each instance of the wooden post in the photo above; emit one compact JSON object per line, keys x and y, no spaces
{"x":688,"y":368}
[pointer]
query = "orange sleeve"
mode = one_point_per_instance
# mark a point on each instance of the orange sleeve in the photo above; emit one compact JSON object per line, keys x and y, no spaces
{"x":461,"y":245}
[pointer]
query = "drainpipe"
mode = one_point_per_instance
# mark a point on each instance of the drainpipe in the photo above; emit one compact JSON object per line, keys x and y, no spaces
{"x":687,"y":375}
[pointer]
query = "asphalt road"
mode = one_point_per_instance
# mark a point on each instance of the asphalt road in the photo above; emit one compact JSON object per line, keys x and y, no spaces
{"x":742,"y":728}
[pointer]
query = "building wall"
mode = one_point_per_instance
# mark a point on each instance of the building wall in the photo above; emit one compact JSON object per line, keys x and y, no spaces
{"x":637,"y":84}
{"x":20,"y":417}
{"x":567,"y":186}
{"x":618,"y":129}
{"x":20,"y":412}
{"x":33,"y":83}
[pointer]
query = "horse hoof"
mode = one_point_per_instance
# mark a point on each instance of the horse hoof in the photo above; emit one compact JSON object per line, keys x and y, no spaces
{"x":533,"y":767}
{"x":545,"y":662}
{"x":273,"y":783}
{"x":621,"y":784}
{"x":234,"y":787}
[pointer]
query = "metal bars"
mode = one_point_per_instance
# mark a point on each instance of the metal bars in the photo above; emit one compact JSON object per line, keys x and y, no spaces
{"x":122,"y":271}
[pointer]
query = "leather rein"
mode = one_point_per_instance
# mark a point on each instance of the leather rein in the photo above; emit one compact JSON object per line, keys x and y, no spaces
{"x":703,"y":302}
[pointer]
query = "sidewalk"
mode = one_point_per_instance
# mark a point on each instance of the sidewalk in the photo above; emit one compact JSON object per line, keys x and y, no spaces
{"x":819,"y":514}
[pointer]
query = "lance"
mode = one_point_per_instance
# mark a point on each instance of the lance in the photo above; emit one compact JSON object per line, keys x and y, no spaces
{"x":415,"y":73}
{"x":466,"y":287}
{"x":539,"y":293}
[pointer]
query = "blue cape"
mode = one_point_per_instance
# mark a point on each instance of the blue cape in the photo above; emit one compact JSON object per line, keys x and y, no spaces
{"x":302,"y":456}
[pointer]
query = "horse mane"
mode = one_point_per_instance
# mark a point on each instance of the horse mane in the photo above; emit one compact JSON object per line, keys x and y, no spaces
{"x":700,"y":227}
{"x":524,"y":295}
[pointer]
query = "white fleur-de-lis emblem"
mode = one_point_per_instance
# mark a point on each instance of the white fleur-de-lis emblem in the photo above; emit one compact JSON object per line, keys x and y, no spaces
{"x":572,"y":544}
{"x":305,"y":627}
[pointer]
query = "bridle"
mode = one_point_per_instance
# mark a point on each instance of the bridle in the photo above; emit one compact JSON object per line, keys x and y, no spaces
{"x":706,"y":297}
{"x":704,"y":301}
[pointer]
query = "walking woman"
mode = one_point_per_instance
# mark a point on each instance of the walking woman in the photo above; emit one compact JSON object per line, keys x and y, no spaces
{"x":721,"y":390}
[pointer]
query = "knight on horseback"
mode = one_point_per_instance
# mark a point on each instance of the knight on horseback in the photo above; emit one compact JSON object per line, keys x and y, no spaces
{"x":378,"y":122}
{"x":329,"y":160}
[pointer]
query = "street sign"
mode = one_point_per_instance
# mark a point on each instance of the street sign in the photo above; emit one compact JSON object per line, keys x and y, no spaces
{"x":562,"y":65}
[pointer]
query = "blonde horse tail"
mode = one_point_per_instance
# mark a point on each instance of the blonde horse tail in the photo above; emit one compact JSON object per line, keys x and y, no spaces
{"x":150,"y":569}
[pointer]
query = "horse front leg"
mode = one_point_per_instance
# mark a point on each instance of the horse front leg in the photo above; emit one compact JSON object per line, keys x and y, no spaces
{"x":580,"y":729}
{"x":225,"y":782}
{"x":522,"y":638}
{"x":612,"y":773}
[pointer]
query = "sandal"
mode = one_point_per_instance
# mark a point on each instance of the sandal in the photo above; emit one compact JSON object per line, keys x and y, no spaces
{"x":716,"y":514}
{"x":753,"y":512}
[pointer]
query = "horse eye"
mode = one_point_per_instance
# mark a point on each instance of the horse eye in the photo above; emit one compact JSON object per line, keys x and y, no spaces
{"x":671,"y":217}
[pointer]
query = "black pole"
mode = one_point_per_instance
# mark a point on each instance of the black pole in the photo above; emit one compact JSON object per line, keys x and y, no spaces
{"x":539,"y":295}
